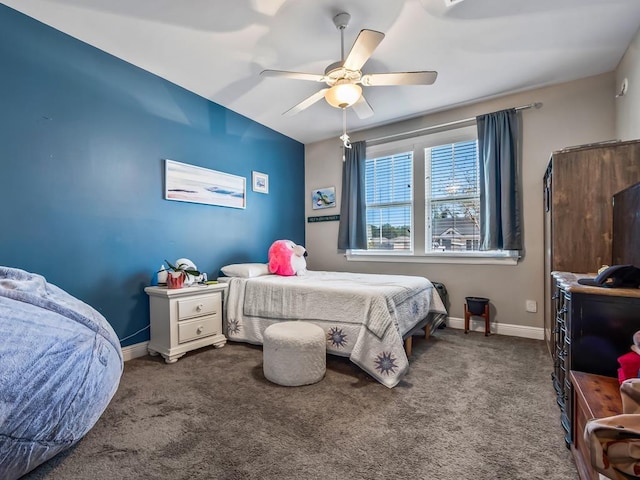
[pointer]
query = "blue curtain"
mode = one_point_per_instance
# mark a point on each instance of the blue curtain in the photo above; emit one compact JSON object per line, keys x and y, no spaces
{"x":498,"y":149}
{"x":352,"y":232}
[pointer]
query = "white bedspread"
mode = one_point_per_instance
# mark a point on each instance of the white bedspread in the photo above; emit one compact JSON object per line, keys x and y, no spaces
{"x":365,"y":316}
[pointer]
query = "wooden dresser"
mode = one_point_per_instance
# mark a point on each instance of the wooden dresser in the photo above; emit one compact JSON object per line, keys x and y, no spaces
{"x":594,"y":396}
{"x":579,"y":185}
{"x":593,"y":326}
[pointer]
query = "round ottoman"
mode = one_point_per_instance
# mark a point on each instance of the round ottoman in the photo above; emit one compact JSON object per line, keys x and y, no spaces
{"x":294,"y":353}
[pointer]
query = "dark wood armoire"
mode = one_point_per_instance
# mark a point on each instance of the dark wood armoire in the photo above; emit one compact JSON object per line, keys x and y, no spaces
{"x":579,"y":185}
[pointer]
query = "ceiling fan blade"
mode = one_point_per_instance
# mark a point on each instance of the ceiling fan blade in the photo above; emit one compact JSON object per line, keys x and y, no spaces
{"x":306,"y":103}
{"x":399,"y":78}
{"x":294,"y":75}
{"x":362,"y":108}
{"x":362,"y":49}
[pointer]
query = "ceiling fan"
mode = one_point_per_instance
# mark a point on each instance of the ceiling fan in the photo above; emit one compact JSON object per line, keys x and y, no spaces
{"x":343,"y":78}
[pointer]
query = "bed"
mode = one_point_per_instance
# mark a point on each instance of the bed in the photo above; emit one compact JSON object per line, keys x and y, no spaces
{"x":366,"y":317}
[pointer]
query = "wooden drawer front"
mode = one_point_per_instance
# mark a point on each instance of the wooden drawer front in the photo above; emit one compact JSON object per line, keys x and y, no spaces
{"x":198,"y":328}
{"x":199,"y":306}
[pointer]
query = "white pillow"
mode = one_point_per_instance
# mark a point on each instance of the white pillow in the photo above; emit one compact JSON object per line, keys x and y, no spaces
{"x":246,"y":270}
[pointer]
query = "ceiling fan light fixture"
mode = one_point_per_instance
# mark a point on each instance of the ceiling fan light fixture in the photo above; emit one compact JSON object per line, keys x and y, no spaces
{"x":343,"y":79}
{"x":343,"y":95}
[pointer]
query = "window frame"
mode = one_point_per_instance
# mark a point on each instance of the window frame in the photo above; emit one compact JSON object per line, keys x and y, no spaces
{"x":418,"y":253}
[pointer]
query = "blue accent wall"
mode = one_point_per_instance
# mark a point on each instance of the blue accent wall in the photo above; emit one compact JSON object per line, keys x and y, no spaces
{"x":83,"y":136}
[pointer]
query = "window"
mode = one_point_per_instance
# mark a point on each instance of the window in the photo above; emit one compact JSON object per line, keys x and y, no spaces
{"x":388,"y":182}
{"x":437,"y":220}
{"x":452,"y":197}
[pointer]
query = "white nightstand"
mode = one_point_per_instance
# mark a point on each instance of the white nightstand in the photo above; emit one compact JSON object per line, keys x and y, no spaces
{"x":183,"y":319}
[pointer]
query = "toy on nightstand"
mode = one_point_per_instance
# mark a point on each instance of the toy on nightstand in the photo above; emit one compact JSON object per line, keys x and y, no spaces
{"x":630,"y":361}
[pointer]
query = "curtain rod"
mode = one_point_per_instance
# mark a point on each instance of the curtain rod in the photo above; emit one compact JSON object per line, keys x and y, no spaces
{"x":535,"y":105}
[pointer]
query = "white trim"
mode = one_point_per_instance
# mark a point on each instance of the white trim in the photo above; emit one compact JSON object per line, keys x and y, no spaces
{"x":477,"y":325}
{"x":135,"y":351}
{"x":140,"y":349}
{"x":470,"y":259}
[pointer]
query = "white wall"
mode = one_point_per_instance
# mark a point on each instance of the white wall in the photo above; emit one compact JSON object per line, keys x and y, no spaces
{"x":572,"y":114}
{"x":628,"y":106}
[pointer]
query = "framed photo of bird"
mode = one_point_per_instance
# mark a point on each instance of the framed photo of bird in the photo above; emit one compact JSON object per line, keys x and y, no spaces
{"x":323,"y":197}
{"x":260,"y":182}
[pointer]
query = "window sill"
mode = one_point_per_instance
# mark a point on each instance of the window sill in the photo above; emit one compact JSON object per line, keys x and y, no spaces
{"x":475,"y":258}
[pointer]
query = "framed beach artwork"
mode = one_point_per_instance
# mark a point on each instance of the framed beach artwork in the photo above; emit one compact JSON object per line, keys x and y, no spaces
{"x":260,"y":182}
{"x":188,"y":183}
{"x":323,"y":197}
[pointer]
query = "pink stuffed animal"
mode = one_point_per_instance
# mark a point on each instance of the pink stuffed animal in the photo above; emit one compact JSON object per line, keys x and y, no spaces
{"x":287,"y":259}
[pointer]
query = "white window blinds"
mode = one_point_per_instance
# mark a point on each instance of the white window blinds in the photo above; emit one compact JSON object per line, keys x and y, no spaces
{"x":452,"y":197}
{"x":388,"y":181}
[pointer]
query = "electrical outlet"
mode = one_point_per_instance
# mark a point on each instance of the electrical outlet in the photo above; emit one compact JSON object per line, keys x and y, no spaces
{"x":532,"y":306}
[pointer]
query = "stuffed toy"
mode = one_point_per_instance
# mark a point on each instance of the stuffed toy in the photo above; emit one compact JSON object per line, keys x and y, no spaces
{"x":630,"y":361}
{"x":287,"y":259}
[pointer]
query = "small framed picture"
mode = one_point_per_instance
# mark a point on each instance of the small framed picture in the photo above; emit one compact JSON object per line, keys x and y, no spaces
{"x":260,"y":182}
{"x":323,"y":198}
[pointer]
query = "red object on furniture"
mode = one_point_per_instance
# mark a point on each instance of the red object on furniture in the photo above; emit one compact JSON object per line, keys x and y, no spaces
{"x":629,"y":366}
{"x":175,"y":281}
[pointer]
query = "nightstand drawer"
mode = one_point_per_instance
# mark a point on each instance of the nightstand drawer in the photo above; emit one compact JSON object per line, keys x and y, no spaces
{"x":200,"y":327}
{"x":200,"y":306}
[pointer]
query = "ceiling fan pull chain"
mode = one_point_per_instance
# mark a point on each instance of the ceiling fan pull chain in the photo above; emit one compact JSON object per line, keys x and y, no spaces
{"x":346,"y":143}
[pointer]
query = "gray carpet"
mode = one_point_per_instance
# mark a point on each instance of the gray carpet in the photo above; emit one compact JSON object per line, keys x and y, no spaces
{"x":472,"y":407}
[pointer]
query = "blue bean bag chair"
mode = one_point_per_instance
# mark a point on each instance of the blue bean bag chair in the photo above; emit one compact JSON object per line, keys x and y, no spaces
{"x":60,"y":365}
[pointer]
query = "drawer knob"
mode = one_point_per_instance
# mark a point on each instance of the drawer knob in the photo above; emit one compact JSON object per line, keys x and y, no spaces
{"x":199,"y":307}
{"x":199,"y":330}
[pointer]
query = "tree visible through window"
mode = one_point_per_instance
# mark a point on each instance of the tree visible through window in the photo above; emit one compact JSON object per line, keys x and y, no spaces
{"x":437,"y":221}
{"x":452,"y":197}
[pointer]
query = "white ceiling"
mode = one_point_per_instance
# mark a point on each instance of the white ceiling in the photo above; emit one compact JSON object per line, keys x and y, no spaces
{"x":480,"y":48}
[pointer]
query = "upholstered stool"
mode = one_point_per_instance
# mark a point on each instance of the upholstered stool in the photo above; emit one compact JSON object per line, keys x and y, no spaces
{"x":294,"y":353}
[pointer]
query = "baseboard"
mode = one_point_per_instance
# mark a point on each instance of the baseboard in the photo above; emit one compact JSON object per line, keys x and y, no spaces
{"x":498,"y":328}
{"x":134,"y":351}
{"x":140,"y":349}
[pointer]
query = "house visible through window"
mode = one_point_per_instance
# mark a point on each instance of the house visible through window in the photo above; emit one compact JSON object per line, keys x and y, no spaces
{"x":452,"y":197}
{"x":422,"y":197}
